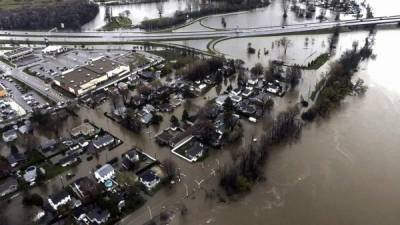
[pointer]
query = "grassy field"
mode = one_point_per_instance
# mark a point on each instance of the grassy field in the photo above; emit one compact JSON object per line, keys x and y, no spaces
{"x":14,"y":4}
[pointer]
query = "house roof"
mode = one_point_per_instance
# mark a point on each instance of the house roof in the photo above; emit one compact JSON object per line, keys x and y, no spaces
{"x":84,"y":128}
{"x":9,"y":133}
{"x":7,"y":183}
{"x":105,"y":170}
{"x":148,"y":176}
{"x":15,"y":157}
{"x":98,"y":214}
{"x":48,"y":144}
{"x":59,"y":196}
{"x":85,"y":185}
{"x":102,"y":140}
{"x":195,"y":149}
{"x":69,"y":158}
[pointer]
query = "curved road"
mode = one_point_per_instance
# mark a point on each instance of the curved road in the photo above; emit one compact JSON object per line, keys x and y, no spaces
{"x":130,"y":36}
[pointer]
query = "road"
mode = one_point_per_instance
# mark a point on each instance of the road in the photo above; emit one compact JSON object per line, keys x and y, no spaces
{"x":129,"y":36}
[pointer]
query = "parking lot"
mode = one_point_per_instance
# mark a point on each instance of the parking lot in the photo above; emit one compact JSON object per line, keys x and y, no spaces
{"x":27,"y":99}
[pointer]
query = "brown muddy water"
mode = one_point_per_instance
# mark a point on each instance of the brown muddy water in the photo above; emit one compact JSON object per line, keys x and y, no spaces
{"x":343,"y":170}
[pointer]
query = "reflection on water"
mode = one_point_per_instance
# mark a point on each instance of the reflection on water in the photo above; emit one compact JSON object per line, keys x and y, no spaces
{"x":138,"y":12}
{"x":344,"y":170}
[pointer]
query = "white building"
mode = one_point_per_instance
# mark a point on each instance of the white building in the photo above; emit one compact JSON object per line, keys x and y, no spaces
{"x":104,"y":173}
{"x":54,"y":50}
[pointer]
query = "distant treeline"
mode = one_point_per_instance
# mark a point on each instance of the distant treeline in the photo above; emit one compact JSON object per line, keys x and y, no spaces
{"x":222,"y":6}
{"x":73,"y":14}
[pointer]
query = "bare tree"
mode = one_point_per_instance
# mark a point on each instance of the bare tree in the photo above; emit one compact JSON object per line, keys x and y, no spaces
{"x":160,"y":8}
{"x":285,"y":43}
{"x":285,"y":5}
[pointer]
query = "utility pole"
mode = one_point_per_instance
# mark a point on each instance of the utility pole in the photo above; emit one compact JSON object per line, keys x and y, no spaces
{"x":187,"y":190}
{"x":150,"y":214}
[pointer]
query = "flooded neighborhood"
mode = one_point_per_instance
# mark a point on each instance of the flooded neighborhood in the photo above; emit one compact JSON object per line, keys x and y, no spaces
{"x":200,"y":112}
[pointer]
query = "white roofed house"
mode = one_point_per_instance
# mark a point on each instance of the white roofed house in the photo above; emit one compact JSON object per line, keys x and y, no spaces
{"x":104,"y":173}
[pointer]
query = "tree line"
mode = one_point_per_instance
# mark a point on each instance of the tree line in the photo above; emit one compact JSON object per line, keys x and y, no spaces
{"x":248,"y":168}
{"x":72,"y":14}
{"x":338,"y":83}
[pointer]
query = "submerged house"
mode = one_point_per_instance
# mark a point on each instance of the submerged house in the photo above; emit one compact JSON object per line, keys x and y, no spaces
{"x":8,"y":186}
{"x":149,"y":179}
{"x":59,"y":199}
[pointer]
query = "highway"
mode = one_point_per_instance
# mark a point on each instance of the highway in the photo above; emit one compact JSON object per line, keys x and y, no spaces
{"x":130,"y":36}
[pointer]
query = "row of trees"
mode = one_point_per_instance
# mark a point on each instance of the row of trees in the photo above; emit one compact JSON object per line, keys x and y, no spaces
{"x":201,"y":68}
{"x":248,"y":168}
{"x":72,"y":14}
{"x":292,"y":76}
{"x":338,"y":83}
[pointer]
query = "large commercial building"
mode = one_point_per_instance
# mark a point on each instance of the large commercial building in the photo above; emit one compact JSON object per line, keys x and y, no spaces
{"x":86,"y":78}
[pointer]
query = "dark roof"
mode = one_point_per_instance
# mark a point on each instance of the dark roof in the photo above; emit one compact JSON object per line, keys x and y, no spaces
{"x":98,"y":213}
{"x":69,"y":158}
{"x":59,"y":196}
{"x":103,"y":140}
{"x":149,"y":176}
{"x":16,"y":157}
{"x":148,"y":75}
{"x":165,"y":136}
{"x":84,"y":74}
{"x":195,"y":149}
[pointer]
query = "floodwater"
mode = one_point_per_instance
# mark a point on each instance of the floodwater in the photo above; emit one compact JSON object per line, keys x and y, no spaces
{"x":343,"y":170}
{"x":140,"y":12}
